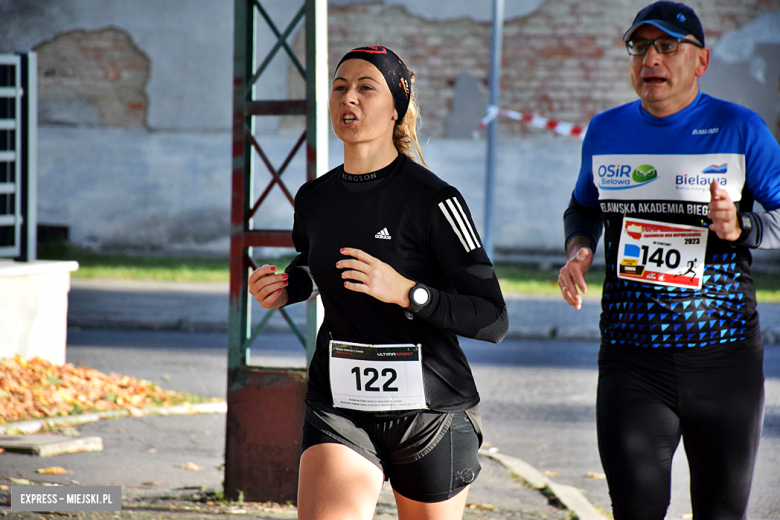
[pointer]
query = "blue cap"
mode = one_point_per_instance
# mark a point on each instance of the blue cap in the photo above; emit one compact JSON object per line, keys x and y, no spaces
{"x":673,"y":18}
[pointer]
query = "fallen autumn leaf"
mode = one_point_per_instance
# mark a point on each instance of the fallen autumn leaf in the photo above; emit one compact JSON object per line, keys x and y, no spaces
{"x":54,"y":470}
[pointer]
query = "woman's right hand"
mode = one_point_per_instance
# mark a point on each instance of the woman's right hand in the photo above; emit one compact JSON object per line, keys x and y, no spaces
{"x":267,"y":287}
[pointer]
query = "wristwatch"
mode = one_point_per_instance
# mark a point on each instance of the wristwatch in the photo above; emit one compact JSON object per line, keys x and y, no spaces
{"x":419,"y":296}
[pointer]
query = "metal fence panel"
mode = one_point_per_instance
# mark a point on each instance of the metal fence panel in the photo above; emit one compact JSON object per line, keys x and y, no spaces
{"x":18,"y":155}
{"x":10,"y":166}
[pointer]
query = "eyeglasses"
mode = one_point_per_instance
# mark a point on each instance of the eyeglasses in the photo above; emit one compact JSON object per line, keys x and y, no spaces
{"x":663,"y":45}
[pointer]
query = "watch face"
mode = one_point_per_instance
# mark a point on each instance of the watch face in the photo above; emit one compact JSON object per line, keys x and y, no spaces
{"x":420,"y":296}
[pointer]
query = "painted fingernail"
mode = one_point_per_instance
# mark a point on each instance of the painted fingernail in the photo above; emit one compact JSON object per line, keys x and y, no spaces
{"x":337,"y":264}
{"x":285,"y":276}
{"x":345,"y":284}
{"x":341,"y":250}
{"x":279,"y":290}
{"x":273,"y":268}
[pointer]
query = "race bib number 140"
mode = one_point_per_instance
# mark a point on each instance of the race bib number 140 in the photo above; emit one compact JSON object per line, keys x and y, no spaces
{"x":661,"y":253}
{"x":376,"y":377}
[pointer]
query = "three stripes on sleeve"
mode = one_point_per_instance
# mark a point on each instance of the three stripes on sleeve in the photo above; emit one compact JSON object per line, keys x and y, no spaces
{"x":460,"y":223}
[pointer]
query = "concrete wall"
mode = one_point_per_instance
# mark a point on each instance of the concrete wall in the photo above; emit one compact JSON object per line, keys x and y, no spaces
{"x":136,"y":102}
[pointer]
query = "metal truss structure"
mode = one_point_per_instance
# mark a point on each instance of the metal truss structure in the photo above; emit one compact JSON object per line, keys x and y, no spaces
{"x":258,"y":435}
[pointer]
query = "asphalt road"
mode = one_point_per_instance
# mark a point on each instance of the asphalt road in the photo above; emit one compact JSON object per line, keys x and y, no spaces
{"x":538,"y":398}
{"x":538,"y":404}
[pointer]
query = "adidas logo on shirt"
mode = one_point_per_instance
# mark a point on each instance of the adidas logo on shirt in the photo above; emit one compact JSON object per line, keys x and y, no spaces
{"x":383,"y":234}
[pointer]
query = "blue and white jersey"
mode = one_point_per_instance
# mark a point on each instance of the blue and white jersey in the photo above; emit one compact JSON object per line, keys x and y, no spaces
{"x":658,"y":170}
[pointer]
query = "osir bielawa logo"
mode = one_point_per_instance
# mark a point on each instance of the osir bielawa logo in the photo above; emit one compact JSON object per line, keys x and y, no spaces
{"x":624,"y":176}
{"x":644,"y":173}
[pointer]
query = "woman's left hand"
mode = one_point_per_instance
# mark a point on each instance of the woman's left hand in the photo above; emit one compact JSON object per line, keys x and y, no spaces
{"x":374,"y":277}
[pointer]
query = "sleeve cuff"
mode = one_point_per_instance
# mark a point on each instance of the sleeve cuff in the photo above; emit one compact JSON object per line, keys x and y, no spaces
{"x":430,"y":308}
{"x":750,"y":236}
{"x":300,"y":286}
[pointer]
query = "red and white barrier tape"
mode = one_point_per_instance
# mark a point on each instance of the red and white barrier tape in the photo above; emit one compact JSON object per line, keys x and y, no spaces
{"x":559,"y":127}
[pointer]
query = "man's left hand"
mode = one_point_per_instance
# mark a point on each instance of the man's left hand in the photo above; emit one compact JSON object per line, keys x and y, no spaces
{"x":723,"y":214}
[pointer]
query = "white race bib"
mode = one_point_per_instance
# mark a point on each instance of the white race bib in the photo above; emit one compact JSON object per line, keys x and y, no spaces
{"x":661,"y":253}
{"x":376,"y":377}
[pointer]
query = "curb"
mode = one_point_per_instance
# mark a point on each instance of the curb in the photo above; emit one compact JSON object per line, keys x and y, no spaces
{"x":769,"y":336}
{"x":571,"y":498}
{"x":36,"y":425}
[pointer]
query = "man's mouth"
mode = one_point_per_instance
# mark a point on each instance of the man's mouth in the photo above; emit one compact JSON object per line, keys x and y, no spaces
{"x":655,"y":80}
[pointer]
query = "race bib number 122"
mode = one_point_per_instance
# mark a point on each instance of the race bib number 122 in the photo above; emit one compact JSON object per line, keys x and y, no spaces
{"x":661,"y":253}
{"x":376,"y":377}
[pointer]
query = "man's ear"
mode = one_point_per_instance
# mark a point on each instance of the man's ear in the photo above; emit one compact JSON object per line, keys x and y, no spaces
{"x":702,"y":62}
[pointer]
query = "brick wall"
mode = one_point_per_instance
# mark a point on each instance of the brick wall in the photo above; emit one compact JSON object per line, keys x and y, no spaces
{"x":92,"y":78}
{"x":565,"y":61}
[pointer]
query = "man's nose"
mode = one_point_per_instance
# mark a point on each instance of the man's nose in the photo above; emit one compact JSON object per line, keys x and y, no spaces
{"x":652,"y":57}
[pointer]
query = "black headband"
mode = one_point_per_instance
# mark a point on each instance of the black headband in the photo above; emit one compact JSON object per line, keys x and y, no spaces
{"x":392,"y":68}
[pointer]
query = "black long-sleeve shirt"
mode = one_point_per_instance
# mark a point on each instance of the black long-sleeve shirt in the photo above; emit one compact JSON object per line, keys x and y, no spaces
{"x":421,"y":226}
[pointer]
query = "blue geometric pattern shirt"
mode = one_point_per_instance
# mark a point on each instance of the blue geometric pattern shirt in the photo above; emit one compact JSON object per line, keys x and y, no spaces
{"x":637,"y":166}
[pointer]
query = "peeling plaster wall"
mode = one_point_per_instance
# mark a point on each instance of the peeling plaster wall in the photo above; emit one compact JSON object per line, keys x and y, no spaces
{"x":562,"y":59}
{"x":452,"y":9}
{"x":745,"y":68}
{"x":92,"y":78}
{"x":189,"y":44}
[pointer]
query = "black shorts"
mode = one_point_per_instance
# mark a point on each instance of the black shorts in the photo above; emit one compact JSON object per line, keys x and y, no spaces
{"x":427,"y":456}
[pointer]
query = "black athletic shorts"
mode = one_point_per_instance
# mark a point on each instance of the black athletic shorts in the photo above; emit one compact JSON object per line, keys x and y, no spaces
{"x":427,"y":456}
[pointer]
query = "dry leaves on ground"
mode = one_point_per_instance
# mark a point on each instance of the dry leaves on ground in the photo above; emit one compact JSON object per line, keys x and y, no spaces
{"x":54,"y":470}
{"x":36,"y":388}
{"x":481,"y":507}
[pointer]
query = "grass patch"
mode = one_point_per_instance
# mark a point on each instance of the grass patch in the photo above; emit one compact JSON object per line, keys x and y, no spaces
{"x":137,"y":267}
{"x":513,"y":279}
{"x":767,"y":287}
{"x":149,"y":268}
{"x":521,"y":280}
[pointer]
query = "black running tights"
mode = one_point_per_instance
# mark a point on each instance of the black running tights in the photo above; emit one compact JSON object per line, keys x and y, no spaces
{"x":712,"y":398}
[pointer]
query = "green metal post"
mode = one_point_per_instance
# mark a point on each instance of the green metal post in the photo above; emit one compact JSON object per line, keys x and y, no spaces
{"x":265,"y":405}
{"x":317,"y":122}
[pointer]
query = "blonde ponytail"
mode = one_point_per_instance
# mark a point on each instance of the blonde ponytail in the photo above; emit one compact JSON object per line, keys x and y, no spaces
{"x":405,"y":131}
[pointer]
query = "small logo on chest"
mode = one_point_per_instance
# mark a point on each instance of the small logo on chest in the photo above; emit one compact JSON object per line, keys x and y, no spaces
{"x":383,"y":234}
{"x":705,"y":131}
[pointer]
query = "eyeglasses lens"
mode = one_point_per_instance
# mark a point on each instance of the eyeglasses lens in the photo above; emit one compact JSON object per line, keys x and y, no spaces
{"x":662,"y":46}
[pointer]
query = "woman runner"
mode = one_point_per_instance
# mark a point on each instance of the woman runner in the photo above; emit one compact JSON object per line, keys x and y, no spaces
{"x":395,"y":255}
